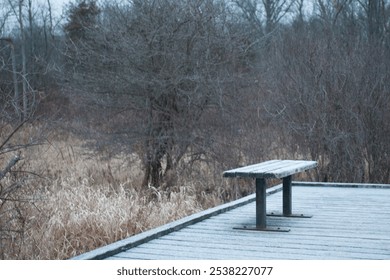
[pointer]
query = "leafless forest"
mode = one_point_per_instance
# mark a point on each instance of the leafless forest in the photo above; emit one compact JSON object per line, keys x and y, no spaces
{"x":119,"y":116}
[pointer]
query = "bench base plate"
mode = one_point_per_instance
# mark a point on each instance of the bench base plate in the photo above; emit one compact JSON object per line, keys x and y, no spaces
{"x":254,"y":228}
{"x":272,"y":214}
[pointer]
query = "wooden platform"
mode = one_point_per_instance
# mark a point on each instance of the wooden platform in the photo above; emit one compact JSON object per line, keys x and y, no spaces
{"x":350,"y":221}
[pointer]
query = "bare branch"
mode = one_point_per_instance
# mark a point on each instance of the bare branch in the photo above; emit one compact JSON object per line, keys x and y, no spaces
{"x":9,"y":166}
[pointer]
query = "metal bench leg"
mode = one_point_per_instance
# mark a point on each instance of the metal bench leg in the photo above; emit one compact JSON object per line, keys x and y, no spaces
{"x":261,"y":209}
{"x":287,"y":200}
{"x":261,"y":203}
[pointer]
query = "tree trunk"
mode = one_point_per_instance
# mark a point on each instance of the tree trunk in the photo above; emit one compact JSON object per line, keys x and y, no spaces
{"x":16,"y":85}
{"x":24,"y":71}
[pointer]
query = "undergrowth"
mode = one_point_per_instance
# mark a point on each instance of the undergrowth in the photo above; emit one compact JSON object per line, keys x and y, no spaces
{"x":79,"y":201}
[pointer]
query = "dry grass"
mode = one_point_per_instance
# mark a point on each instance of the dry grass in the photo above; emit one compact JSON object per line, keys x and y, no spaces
{"x":83,"y":201}
{"x":78,"y":218}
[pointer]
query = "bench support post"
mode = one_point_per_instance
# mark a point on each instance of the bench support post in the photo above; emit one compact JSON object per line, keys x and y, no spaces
{"x":261,"y":202}
{"x":261,"y":209}
{"x":287,"y":201}
{"x":287,"y":197}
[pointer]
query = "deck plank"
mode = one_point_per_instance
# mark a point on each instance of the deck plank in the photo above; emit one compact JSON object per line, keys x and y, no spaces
{"x":347,"y":223}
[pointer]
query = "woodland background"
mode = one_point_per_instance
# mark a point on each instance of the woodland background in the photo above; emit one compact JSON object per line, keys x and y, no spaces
{"x":119,"y":116}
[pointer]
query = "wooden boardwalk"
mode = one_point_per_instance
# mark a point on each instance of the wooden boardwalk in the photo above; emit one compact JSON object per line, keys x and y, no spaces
{"x":349,"y":222}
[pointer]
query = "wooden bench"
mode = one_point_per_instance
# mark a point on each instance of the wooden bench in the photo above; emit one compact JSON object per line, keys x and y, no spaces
{"x":284,"y":169}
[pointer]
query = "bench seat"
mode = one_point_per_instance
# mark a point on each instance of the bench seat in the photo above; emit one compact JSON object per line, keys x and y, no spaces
{"x":271,"y":169}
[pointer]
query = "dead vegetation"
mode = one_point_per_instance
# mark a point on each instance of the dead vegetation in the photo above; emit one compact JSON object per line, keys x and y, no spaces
{"x":77,"y":201}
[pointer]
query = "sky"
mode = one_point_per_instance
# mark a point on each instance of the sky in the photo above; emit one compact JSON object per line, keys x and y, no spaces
{"x":11,"y":21}
{"x":57,"y":11}
{"x":57,"y":5}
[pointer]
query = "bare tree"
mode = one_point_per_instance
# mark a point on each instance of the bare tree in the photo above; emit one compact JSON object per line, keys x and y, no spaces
{"x":376,"y":18}
{"x":273,"y":11}
{"x":299,"y":6}
{"x":29,"y":56}
{"x":4,"y":16}
{"x":18,"y":13}
{"x":16,"y":99}
{"x":330,"y":86}
{"x":24,"y":60}
{"x":166,"y":62}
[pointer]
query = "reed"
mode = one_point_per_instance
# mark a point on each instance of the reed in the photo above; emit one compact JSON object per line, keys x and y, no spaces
{"x":81,"y":201}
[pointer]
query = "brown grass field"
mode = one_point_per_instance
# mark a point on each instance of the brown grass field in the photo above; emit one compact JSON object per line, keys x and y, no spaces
{"x":78,"y":200}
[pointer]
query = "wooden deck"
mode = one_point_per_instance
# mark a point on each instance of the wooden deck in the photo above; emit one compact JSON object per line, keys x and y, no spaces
{"x":350,"y":221}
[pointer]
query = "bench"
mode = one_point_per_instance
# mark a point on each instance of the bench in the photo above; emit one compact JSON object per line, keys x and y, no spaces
{"x":280,"y":169}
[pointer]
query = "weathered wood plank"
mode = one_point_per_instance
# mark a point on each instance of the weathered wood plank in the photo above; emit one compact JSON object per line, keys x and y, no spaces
{"x":255,"y":170}
{"x":282,"y":169}
{"x":341,"y":185}
{"x":347,"y":223}
{"x":206,"y":253}
{"x":257,"y":248}
{"x":294,"y":167}
{"x":267,"y":164}
{"x":250,"y":250}
{"x":324,"y":236}
{"x":215,"y":237}
{"x":259,"y":172}
{"x":347,"y":226}
{"x":271,"y":169}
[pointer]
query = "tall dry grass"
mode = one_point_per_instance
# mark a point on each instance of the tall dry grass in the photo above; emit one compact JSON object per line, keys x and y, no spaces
{"x":82,"y":200}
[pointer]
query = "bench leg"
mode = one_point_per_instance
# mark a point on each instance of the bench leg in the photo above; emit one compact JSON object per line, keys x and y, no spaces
{"x":261,"y":209}
{"x":261,"y":203}
{"x":287,"y":200}
{"x":287,"y":197}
